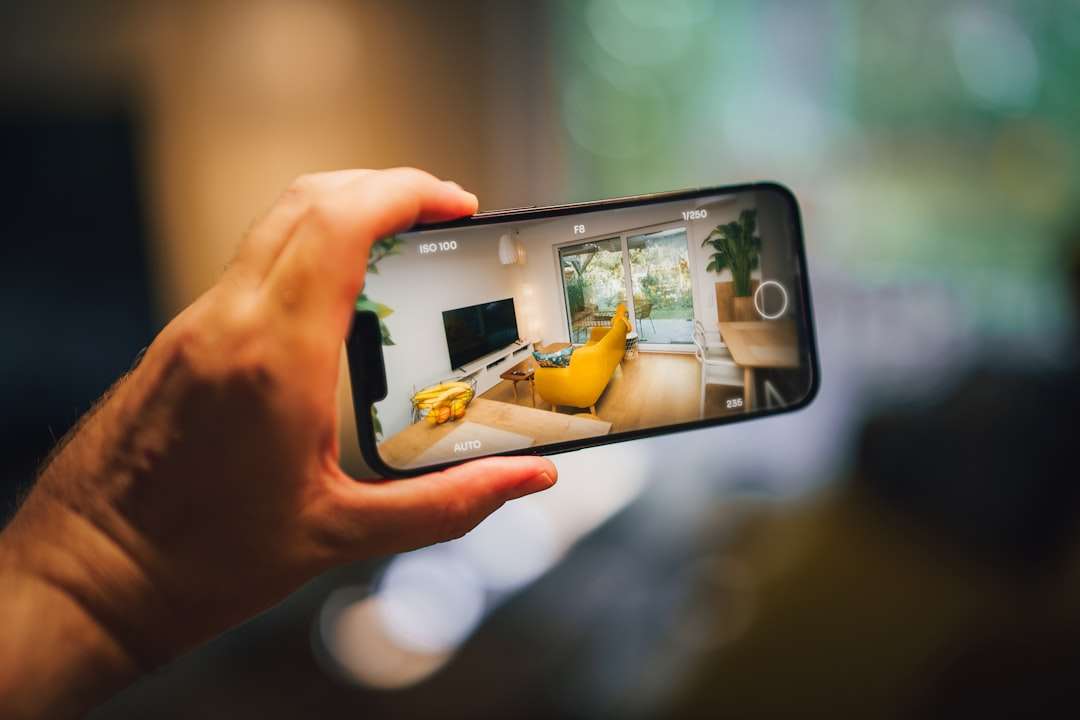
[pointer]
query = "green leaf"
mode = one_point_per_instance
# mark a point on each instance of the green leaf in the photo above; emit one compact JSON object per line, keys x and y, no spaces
{"x":382,"y":249}
{"x":737,"y":248}
{"x":376,"y":424}
{"x":384,"y":332}
{"x":748,"y":221}
{"x":363,"y":303}
{"x":387,"y":244}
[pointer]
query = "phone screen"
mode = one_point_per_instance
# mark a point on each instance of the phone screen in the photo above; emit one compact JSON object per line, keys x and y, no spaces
{"x":547,"y":330}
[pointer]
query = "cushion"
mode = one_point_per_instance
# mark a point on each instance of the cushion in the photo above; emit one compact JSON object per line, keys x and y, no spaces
{"x":556,"y":359}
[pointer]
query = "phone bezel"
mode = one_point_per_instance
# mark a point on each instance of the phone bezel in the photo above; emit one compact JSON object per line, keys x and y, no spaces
{"x":356,"y":342}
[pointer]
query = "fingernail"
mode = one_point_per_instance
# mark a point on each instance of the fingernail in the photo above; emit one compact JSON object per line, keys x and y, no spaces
{"x":453,"y":184}
{"x":538,"y":482}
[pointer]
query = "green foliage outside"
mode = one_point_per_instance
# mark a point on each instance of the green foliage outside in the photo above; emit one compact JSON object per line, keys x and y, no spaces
{"x":593,"y":276}
{"x":575,"y":294}
{"x":661,"y":275}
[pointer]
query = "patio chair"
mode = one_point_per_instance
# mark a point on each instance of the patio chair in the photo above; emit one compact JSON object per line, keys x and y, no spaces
{"x":643,"y":311}
{"x":717,"y":366}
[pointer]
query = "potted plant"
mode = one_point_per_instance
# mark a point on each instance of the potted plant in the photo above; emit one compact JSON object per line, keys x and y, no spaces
{"x":737,"y":248}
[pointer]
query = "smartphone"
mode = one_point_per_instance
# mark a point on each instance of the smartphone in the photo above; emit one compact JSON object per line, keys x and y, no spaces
{"x":546,"y":329}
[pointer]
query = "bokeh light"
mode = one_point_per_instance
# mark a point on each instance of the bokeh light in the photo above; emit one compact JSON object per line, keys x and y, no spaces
{"x":995,"y":57}
{"x":430,"y":600}
{"x":511,"y":548}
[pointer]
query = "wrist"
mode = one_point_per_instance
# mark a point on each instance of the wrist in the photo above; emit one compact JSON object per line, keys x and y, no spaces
{"x":56,"y":658}
{"x":76,"y":601}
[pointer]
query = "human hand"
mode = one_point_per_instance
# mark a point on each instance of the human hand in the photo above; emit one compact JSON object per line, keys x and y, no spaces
{"x":206,"y":486}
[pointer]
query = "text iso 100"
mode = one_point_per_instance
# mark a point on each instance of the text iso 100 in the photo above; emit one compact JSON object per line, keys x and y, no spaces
{"x":436,"y":247}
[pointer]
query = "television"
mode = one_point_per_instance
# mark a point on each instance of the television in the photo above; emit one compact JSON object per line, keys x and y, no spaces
{"x":475,"y":331}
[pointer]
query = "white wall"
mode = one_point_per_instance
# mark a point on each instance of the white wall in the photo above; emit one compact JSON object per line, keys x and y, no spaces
{"x":419,"y":288}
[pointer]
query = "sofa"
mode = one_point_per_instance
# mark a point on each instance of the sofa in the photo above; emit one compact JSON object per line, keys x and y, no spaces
{"x":581,"y":383}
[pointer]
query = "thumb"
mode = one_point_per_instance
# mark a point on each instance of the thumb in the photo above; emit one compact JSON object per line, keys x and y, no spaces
{"x":399,"y":515}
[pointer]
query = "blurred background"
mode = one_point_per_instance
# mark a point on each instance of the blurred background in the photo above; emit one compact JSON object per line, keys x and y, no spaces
{"x":905,"y":546}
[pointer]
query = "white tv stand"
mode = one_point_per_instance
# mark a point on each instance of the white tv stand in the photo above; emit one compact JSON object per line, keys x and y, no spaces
{"x":485,"y":372}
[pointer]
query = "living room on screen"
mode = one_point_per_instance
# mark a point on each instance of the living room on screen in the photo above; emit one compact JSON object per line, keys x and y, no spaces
{"x":513,"y":335}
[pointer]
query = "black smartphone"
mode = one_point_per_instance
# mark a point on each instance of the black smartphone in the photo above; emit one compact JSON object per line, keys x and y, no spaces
{"x":546,"y":329}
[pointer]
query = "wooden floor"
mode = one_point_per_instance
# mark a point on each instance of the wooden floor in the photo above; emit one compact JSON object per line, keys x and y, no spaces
{"x":651,"y":390}
{"x":499,"y":427}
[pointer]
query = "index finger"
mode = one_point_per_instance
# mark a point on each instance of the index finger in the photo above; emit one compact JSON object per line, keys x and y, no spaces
{"x":270,"y":233}
{"x":321,"y":270}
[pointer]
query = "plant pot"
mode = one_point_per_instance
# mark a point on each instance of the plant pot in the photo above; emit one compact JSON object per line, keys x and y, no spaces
{"x":726,"y":301}
{"x":743,"y":310}
{"x":724,"y":293}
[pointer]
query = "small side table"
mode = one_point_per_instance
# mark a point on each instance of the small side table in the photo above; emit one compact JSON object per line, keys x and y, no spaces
{"x":631,"y":345}
{"x":523,"y":371}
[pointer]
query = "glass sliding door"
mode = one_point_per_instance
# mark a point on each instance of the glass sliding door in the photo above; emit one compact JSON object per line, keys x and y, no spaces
{"x":594,"y":282}
{"x":651,"y":267}
{"x":660,"y":274}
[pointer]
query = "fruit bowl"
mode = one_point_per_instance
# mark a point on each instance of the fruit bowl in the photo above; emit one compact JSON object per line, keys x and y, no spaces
{"x":442,"y":402}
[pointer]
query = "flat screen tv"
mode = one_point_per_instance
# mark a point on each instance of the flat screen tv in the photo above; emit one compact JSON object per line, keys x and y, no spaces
{"x":475,"y":331}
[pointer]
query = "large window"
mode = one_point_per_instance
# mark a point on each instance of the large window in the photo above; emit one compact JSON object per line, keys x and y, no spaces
{"x":663,"y":302}
{"x":653,"y":268}
{"x":594,"y":282}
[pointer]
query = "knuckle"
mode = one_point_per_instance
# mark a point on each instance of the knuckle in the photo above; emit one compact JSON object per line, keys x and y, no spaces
{"x":184,"y":352}
{"x":411,"y":174}
{"x":293,"y":196}
{"x":252,"y":368}
{"x":336,"y":541}
{"x":226,"y":349}
{"x":320,"y":213}
{"x":299,"y":193}
{"x":250,"y":357}
{"x":458,"y":517}
{"x":240,"y":321}
{"x":300,"y":187}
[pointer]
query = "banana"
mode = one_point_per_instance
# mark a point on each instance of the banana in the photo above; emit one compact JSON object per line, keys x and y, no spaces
{"x":449,"y":395}
{"x":441,"y":390}
{"x":437,"y":390}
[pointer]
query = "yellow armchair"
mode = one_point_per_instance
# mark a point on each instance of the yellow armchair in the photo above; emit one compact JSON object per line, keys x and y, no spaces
{"x":596,"y":334}
{"x":591,"y":367}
